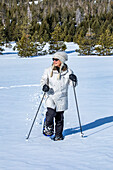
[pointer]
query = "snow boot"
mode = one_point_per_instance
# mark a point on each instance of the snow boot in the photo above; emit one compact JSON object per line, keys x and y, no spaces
{"x":57,"y":138}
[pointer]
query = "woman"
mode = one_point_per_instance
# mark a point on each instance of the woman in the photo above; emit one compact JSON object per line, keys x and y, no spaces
{"x":55,"y":81}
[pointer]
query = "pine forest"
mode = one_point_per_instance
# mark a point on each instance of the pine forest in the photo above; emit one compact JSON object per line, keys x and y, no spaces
{"x":89,"y":23}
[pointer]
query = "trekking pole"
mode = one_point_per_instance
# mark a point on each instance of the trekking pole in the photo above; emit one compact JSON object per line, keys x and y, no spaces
{"x":77,"y":110}
{"x":35,"y":116}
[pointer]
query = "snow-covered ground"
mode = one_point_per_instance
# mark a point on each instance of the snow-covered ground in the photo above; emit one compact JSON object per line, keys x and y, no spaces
{"x":20,"y":95}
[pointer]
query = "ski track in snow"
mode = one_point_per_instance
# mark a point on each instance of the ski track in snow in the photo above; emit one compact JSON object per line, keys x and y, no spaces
{"x":17,"y":86}
{"x":36,"y":98}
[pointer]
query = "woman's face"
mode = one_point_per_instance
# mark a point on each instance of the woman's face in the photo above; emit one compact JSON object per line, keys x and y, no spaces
{"x":56,"y":62}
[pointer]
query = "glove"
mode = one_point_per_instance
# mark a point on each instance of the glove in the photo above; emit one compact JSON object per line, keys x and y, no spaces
{"x":73,"y":78}
{"x":45,"y":88}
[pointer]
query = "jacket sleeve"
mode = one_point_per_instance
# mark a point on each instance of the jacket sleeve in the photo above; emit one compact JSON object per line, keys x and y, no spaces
{"x":70,"y":72}
{"x":45,"y":78}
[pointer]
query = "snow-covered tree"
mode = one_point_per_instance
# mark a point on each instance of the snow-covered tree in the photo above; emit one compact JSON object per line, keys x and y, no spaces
{"x":78,"y":17}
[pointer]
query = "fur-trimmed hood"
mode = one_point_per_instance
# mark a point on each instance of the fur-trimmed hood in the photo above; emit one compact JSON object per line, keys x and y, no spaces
{"x":64,"y":68}
{"x":60,"y":69}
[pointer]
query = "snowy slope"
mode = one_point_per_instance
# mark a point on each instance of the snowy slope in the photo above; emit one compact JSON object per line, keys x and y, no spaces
{"x":20,"y":95}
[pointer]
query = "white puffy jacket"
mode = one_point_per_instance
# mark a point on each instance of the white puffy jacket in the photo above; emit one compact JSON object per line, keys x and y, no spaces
{"x":57,"y":96}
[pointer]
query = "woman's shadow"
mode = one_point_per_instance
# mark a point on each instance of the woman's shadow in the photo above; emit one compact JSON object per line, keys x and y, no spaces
{"x":96,"y":123}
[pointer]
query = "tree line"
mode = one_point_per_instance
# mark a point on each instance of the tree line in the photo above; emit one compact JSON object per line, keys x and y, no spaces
{"x":88,"y":23}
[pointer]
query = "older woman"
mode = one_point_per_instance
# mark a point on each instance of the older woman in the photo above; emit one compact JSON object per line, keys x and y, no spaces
{"x":55,"y":81}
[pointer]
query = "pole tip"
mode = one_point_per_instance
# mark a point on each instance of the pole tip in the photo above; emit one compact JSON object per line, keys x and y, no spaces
{"x":26,"y":139}
{"x":82,"y":134}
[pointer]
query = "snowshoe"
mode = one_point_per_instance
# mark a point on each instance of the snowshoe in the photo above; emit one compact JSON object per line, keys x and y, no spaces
{"x":48,"y":130}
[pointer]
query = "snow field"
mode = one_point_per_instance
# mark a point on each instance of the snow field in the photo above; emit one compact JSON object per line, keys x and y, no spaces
{"x":20,"y":95}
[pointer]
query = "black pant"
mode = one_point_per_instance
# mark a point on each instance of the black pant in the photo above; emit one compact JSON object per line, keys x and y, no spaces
{"x":59,"y":120}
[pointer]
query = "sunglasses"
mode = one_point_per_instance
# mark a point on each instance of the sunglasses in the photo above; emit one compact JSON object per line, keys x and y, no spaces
{"x":55,"y":59}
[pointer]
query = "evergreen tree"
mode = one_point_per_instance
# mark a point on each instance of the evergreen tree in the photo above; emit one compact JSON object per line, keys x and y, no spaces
{"x":65,"y":32}
{"x":26,"y":47}
{"x":1,"y":39}
{"x":72,"y":30}
{"x":46,"y":36}
{"x":57,"y":33}
{"x":36,"y":37}
{"x":86,"y":43}
{"x":44,"y":31}
{"x":96,"y":26}
{"x":17,"y":33}
{"x":86,"y":46}
{"x":68,"y":38}
{"x":25,"y":26}
{"x":56,"y":42}
{"x":105,"y":43}
{"x":56,"y":46}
